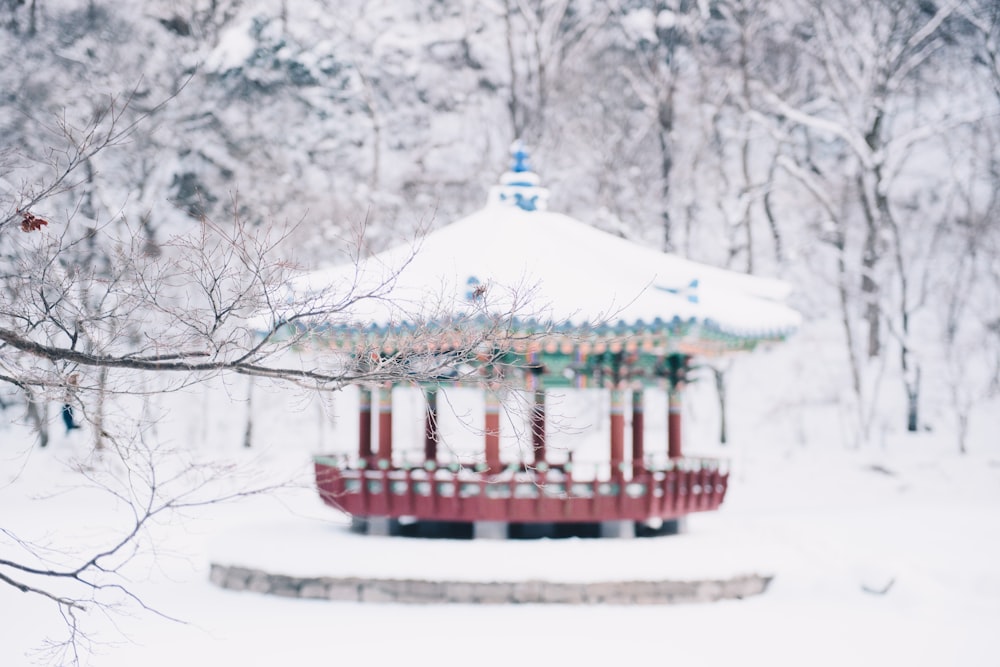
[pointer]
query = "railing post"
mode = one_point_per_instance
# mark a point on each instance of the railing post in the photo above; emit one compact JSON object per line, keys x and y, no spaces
{"x":638,"y":426}
{"x":674,"y":424}
{"x":617,"y":432}
{"x":364,"y":424}
{"x":430,"y":425}
{"x":492,"y":432}
{"x":385,"y":423}
{"x":538,"y":425}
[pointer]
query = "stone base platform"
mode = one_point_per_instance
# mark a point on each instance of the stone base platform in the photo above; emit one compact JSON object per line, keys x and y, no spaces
{"x":417,"y":591}
{"x":306,"y":557}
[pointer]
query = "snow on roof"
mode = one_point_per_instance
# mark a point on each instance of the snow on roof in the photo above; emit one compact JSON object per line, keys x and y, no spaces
{"x":513,"y":257}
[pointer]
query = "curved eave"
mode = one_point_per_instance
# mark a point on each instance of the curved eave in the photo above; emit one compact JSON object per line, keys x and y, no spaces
{"x":688,"y":336}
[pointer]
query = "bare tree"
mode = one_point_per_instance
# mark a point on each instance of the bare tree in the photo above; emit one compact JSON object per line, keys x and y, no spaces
{"x":744,"y":43}
{"x":91,"y":319}
{"x":868,"y":59}
{"x":540,"y":35}
{"x":146,"y":486}
{"x":655,"y":76}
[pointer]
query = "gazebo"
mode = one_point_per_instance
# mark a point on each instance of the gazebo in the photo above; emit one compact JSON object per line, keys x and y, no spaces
{"x":606,"y":315}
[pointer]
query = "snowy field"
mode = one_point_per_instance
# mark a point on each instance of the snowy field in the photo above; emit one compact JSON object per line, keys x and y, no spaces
{"x":834,"y":524}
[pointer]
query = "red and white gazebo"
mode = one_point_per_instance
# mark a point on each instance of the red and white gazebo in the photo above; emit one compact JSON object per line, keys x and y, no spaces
{"x":550,"y":305}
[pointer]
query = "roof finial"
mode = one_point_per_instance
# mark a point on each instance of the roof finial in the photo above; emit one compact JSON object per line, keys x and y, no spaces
{"x":519,"y":186}
{"x":520,"y":155}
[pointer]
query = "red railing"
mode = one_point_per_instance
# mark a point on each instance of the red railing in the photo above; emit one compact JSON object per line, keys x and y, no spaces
{"x":556,"y":494}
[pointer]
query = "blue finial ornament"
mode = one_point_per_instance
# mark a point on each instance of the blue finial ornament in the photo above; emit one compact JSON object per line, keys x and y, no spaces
{"x":519,"y":187}
{"x":520,"y":156}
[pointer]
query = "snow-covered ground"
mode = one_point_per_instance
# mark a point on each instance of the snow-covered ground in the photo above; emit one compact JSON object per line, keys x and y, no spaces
{"x":908,"y":515}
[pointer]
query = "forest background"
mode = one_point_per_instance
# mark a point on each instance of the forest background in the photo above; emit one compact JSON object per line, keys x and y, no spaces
{"x":849,"y":147}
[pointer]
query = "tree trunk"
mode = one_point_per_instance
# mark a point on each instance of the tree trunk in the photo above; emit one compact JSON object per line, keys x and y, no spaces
{"x":745,"y":194}
{"x":248,"y":432}
{"x":869,"y":286}
{"x":541,"y":88}
{"x":99,"y":432}
{"x":912,"y":401}
{"x":877,"y":216}
{"x":665,"y":118}
{"x":720,"y":389}
{"x":38,"y":415}
{"x":745,"y":146}
{"x":963,"y":430}
{"x":87,"y":204}
{"x":513,"y":101}
{"x":845,"y":318}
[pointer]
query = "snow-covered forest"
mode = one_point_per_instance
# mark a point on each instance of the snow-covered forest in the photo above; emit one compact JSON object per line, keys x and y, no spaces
{"x":848,"y":147}
{"x":851,"y":148}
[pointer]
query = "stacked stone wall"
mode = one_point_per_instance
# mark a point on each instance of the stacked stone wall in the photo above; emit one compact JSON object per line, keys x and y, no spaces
{"x":419,"y":591}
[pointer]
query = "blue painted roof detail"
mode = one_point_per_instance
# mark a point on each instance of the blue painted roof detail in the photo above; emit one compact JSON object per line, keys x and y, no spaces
{"x":690,"y":292}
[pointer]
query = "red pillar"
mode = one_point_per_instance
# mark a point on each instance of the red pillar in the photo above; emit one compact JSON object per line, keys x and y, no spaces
{"x":617,"y":432}
{"x":674,"y":425}
{"x":364,"y":424}
{"x":638,"y":424}
{"x":492,"y":432}
{"x":385,"y":423}
{"x":538,"y":426}
{"x":430,"y":426}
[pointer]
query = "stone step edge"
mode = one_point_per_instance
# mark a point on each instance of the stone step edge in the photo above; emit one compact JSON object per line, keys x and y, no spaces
{"x":420,"y":591}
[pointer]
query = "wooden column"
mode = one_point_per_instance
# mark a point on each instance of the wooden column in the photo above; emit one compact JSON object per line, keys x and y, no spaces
{"x":638,"y":425}
{"x":617,"y":432}
{"x":538,"y":425}
{"x":430,"y":425}
{"x":492,"y":432}
{"x":385,"y":423}
{"x":674,"y":425}
{"x":364,"y":424}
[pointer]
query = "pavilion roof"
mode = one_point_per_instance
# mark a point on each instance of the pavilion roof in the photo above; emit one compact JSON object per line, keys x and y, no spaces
{"x":545,"y":272}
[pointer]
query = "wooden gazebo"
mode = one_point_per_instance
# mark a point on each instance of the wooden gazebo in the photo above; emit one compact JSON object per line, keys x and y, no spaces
{"x":609,"y":315}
